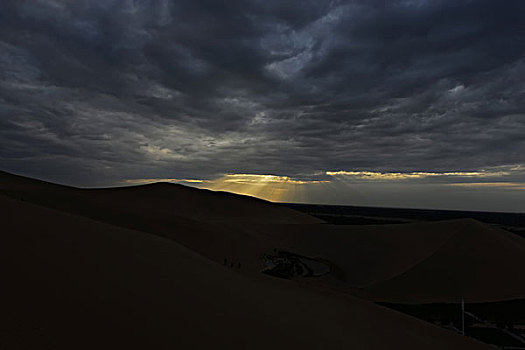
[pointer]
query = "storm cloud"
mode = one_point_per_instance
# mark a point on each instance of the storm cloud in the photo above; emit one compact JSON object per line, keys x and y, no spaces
{"x":95,"y":92}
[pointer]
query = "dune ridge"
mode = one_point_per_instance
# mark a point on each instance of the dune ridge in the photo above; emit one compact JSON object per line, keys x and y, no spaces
{"x":165,"y":199}
{"x":470,"y":261}
{"x":373,"y":257}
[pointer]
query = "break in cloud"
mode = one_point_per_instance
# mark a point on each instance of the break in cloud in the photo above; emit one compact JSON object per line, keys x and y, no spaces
{"x":94,"y":92}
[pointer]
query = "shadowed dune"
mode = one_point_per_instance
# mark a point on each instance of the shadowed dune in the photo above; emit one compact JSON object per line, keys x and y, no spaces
{"x":70,"y":282}
{"x":170,"y":211}
{"x":163,"y":200}
{"x":478,"y":262}
{"x":369,"y":253}
{"x":421,"y":262}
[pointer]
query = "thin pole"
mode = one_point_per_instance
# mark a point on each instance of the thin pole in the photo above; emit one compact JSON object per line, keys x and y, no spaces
{"x":463,"y":316}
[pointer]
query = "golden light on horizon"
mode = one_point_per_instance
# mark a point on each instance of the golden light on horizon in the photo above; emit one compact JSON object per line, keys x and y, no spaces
{"x":149,"y":181}
{"x":273,"y":188}
{"x":376,"y":175}
{"x":335,"y":184}
{"x":509,"y":185}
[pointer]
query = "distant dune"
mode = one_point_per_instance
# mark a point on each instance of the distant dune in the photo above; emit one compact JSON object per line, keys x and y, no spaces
{"x":164,"y":265}
{"x":477,"y":262}
{"x":421,"y":262}
{"x":202,"y":220}
{"x":159,"y":199}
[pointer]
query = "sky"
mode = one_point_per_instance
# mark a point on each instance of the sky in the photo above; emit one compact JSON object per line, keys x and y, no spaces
{"x":398,"y":103}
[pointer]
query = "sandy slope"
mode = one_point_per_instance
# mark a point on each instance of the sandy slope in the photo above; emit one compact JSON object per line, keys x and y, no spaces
{"x":155,"y":209}
{"x":478,"y":263}
{"x":422,"y":262}
{"x":367,"y":253}
{"x":198,"y":219}
{"x":72,"y":283}
{"x":161,"y":200}
{"x":441,"y":261}
{"x":201,"y":205}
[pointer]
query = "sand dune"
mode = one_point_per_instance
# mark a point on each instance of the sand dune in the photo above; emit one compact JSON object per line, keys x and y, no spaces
{"x":70,"y":282}
{"x":164,"y":199}
{"x":199,"y":219}
{"x":478,"y":263}
{"x":368,"y":253}
{"x":422,"y":262}
{"x":436,"y":261}
{"x":169,"y":211}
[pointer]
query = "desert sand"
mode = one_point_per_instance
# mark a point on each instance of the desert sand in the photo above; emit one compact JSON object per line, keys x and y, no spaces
{"x":417,"y":263}
{"x":143,"y":267}
{"x":70,"y":282}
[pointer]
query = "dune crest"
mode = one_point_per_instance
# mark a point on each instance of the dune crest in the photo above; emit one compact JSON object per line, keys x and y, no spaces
{"x":478,"y":263}
{"x":158,"y":199}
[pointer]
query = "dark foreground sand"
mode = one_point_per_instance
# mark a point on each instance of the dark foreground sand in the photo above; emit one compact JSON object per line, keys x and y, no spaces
{"x":74,"y":283}
{"x":142,"y":267}
{"x":414,"y":263}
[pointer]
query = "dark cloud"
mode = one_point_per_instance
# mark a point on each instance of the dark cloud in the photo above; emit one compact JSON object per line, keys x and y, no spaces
{"x":93,"y":92}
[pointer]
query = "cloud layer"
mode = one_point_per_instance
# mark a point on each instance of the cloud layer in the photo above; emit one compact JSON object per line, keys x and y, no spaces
{"x":94,"y":92}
